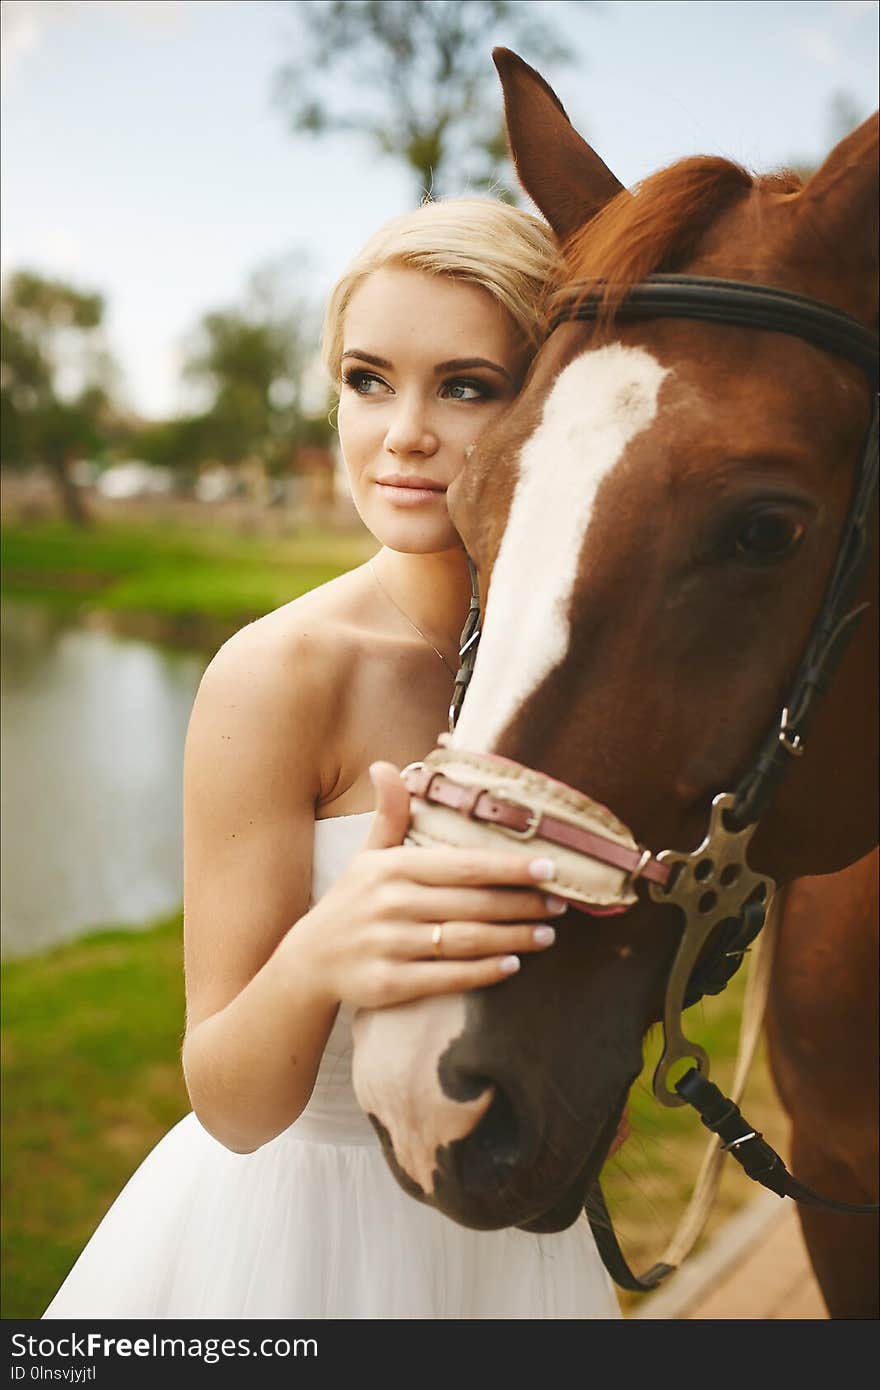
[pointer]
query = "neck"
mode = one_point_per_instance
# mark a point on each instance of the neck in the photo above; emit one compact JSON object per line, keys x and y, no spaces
{"x":434,"y":591}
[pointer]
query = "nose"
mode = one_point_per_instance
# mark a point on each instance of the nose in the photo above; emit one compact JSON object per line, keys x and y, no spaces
{"x":447,"y":1109}
{"x":500,"y":1147}
{"x":410,"y":430}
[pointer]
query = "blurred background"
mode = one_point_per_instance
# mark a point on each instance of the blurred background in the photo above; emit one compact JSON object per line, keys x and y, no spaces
{"x":183,"y":181}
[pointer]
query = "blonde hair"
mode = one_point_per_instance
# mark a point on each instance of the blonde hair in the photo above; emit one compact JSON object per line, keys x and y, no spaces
{"x":483,"y":242}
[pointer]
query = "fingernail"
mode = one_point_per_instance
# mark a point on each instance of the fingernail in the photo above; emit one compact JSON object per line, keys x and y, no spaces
{"x":556,"y":905}
{"x":508,"y":965}
{"x":544,"y":936}
{"x":542,"y":868}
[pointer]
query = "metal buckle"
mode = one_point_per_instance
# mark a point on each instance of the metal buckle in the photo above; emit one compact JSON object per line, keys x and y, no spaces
{"x":420,"y":767}
{"x":792,"y":743}
{"x":635,"y":874}
{"x":743,"y":1139}
{"x":534,"y":821}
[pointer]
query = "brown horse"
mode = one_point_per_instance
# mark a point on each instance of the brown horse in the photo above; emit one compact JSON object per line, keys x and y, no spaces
{"x":653,"y":525}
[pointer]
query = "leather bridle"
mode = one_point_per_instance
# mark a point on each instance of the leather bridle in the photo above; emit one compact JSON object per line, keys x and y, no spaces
{"x":718,"y":892}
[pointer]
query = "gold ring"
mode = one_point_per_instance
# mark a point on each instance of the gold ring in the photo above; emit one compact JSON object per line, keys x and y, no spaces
{"x":437,"y":940}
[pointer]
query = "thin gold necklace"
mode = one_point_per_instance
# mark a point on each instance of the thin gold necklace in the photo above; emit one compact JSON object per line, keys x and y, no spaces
{"x":409,"y":620}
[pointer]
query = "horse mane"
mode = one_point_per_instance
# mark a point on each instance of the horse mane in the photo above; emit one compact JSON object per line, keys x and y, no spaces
{"x":657,"y":225}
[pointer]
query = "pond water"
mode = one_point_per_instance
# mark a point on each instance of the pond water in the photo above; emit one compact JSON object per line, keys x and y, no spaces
{"x":91,"y":739}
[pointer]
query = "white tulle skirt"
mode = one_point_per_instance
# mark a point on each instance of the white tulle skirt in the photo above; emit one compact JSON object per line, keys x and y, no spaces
{"x":313,"y":1225}
{"x":310,"y":1227}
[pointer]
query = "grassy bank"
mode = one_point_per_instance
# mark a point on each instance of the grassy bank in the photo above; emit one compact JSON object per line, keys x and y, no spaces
{"x":91,"y":1080}
{"x":91,"y":1040}
{"x":177,"y":572}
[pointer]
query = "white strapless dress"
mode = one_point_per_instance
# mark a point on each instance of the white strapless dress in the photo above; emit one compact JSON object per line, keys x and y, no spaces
{"x":313,"y":1225}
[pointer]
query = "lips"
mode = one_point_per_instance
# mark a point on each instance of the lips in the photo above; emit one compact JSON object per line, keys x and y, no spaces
{"x":407,"y":490}
{"x":412,"y":481}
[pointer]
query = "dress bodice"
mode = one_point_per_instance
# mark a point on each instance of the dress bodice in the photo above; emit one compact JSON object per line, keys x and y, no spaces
{"x":333,"y":1114}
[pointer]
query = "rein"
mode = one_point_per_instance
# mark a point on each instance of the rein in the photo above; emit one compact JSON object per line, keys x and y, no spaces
{"x":714,"y":886}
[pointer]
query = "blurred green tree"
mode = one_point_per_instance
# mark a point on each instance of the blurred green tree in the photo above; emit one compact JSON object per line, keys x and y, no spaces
{"x":419,"y":79}
{"x":249,"y":362}
{"x":55,"y":380}
{"x":179,"y":444}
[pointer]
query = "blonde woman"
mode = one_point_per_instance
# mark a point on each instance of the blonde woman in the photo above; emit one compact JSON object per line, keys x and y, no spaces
{"x":272,"y":1199}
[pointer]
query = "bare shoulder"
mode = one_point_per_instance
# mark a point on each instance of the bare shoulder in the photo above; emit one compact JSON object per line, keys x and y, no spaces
{"x":280,"y":683}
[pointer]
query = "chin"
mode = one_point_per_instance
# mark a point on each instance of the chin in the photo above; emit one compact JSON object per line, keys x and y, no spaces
{"x":413,"y":537}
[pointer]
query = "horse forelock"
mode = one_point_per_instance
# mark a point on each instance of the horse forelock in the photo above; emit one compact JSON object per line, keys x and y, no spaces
{"x":658,"y":225}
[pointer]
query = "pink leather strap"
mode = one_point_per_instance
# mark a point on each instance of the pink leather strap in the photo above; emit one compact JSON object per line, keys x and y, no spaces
{"x":433,"y":786}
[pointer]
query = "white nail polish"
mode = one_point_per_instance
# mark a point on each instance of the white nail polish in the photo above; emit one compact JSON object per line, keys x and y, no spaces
{"x":509,"y":965}
{"x":544,"y":936}
{"x":542,"y":868}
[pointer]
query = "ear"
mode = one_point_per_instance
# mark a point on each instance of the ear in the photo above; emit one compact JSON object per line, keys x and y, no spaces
{"x":562,"y":175}
{"x":838,"y":208}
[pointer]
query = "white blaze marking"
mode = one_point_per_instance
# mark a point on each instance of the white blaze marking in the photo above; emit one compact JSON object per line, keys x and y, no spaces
{"x":395,"y":1076}
{"x":597,"y":404}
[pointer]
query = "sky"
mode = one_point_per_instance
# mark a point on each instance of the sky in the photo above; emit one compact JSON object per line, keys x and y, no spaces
{"x":143,"y":157}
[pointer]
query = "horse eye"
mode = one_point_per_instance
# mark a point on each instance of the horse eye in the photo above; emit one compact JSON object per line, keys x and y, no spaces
{"x":769,"y":536}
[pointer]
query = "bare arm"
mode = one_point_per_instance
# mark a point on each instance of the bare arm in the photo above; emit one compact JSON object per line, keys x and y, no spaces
{"x":255,"y":1030}
{"x":265,"y":974}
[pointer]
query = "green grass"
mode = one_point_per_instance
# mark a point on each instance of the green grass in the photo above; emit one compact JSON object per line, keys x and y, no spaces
{"x":91,"y":1080}
{"x":90,"y":1051}
{"x":173,"y":570}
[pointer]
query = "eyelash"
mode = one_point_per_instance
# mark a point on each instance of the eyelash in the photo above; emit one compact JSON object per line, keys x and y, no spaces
{"x":355,"y":377}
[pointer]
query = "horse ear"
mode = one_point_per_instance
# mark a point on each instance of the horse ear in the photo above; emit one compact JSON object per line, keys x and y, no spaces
{"x":838,"y":206}
{"x":562,"y":175}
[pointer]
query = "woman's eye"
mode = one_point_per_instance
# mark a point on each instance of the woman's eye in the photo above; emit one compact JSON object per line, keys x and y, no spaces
{"x":769,"y":536}
{"x":465,"y":390}
{"x":365,"y":383}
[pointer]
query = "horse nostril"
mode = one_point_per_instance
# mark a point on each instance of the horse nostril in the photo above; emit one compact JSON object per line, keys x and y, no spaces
{"x":498,"y":1133}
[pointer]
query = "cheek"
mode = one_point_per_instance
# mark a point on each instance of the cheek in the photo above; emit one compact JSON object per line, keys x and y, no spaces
{"x":355,"y":434}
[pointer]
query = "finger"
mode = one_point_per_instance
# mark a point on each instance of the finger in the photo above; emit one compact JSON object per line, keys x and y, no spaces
{"x":466,"y":868}
{"x":468,"y":940}
{"x":391,"y":821}
{"x":424,"y":978}
{"x":480,"y":904}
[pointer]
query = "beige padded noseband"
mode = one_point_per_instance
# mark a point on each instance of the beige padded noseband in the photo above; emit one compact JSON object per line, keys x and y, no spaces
{"x":482,"y":801}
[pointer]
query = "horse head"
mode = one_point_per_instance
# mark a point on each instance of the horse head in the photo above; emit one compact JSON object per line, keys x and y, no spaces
{"x":653,"y":526}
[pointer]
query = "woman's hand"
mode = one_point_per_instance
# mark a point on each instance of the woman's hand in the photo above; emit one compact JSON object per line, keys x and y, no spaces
{"x":373,"y":938}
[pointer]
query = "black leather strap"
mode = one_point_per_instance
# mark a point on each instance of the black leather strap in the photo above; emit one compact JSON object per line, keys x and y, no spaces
{"x":612,"y":1256}
{"x":831,"y":632}
{"x":725,"y":955}
{"x":750,"y":1149}
{"x":732,"y":302}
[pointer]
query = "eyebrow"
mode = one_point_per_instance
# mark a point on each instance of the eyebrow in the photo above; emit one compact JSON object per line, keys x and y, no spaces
{"x":456,"y":364}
